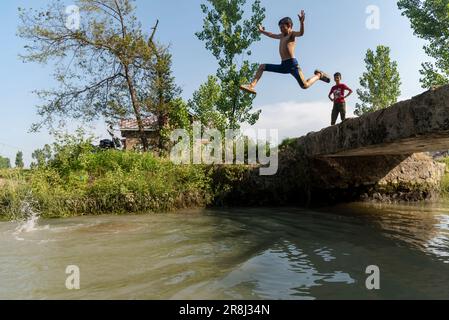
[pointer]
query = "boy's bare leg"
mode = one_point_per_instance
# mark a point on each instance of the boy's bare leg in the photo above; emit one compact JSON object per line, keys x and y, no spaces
{"x":259,"y":74}
{"x":251,"y":87}
{"x":309,"y":82}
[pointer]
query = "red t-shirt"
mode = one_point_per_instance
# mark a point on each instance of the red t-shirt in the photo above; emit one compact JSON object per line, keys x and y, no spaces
{"x":339,"y":92}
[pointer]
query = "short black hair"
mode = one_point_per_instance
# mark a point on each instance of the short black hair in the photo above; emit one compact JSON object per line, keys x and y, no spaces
{"x":338,"y":74}
{"x":286,"y":20}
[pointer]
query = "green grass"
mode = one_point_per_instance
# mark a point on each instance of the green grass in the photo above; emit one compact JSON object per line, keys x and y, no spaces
{"x":105,"y":182}
{"x":445,"y":181}
{"x":79,"y":181}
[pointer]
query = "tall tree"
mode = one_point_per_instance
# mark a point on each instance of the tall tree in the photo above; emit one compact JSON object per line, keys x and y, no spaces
{"x":164,"y":96}
{"x":380,"y":83}
{"x":103,"y":65}
{"x":430,"y":21}
{"x":228,"y":35}
{"x":19,"y":160}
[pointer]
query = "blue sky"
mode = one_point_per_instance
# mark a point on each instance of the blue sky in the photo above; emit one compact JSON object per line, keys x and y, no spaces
{"x":336,"y":39}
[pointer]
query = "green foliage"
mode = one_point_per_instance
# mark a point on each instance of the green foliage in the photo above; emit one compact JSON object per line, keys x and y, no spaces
{"x":445,"y":185}
{"x":380,"y":83}
{"x":41,"y":156}
{"x":226,"y":179}
{"x":5,"y":163}
{"x":228,"y":35}
{"x":81,"y":180}
{"x":163,"y":99}
{"x":19,"y":160}
{"x":179,"y":116}
{"x":445,"y":181}
{"x":91,"y":64}
{"x":163,"y":88}
{"x":287,"y":143}
{"x":430,"y":21}
{"x":107,"y":68}
{"x":13,"y":189}
{"x":204,"y":104}
{"x":67,"y":152}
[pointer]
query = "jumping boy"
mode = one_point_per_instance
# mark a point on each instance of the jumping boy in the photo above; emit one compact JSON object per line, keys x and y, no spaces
{"x":337,"y":95}
{"x":289,"y":63}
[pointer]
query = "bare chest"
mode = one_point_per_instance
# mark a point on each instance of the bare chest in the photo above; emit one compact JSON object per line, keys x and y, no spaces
{"x":287,"y":43}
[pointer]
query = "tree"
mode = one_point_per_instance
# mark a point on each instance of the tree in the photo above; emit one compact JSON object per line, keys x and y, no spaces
{"x":5,"y":163}
{"x":179,"y":116}
{"x":229,"y":36}
{"x":163,"y":99}
{"x":204,"y":104}
{"x":41,"y":156}
{"x":380,"y":83}
{"x":19,"y":160}
{"x":103,"y":66}
{"x":430,"y":21}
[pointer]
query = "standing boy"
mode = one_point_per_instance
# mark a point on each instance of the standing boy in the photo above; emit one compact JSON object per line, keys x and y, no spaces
{"x":337,"y":95}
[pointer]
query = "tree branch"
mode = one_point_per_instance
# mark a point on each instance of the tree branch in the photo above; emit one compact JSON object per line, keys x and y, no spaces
{"x":154,"y":32}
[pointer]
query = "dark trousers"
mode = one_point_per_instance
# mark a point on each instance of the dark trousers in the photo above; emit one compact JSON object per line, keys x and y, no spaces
{"x":339,"y":109}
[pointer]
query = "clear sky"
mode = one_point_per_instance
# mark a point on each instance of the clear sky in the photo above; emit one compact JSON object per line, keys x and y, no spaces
{"x":336,"y":39}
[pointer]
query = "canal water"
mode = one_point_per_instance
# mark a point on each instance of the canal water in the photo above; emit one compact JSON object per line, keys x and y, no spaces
{"x":279,"y":253}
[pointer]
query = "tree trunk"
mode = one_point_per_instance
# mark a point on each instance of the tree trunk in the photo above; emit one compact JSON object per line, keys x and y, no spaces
{"x":163,"y":122}
{"x":137,"y":109}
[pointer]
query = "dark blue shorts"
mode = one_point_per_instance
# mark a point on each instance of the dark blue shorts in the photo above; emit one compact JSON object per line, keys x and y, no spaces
{"x":288,"y":66}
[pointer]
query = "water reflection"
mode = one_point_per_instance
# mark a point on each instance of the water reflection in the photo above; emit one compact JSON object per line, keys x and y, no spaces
{"x":424,"y":227}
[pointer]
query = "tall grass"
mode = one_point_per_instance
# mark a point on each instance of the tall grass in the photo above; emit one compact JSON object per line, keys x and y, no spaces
{"x":78,"y":182}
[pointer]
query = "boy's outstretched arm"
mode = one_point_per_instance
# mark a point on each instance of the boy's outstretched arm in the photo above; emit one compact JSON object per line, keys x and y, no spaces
{"x":269,"y":34}
{"x":302,"y":19}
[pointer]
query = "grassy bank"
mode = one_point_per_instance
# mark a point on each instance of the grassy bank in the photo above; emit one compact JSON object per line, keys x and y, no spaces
{"x":104,"y":182}
{"x":78,"y":180}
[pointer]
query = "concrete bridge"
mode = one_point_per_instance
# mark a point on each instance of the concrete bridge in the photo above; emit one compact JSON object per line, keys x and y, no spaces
{"x":420,"y":124}
{"x":378,"y":153}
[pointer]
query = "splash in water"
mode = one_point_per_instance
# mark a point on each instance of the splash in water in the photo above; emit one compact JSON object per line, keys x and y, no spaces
{"x":31,"y":217}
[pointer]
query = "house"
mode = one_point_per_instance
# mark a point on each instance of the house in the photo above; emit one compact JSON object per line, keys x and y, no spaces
{"x":131,"y":136}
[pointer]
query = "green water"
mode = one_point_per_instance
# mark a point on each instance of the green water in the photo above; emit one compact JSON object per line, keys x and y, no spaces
{"x":286,"y":253}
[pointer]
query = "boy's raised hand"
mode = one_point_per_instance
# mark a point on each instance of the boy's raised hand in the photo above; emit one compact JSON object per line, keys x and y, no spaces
{"x":302,"y":16}
{"x":261,"y":28}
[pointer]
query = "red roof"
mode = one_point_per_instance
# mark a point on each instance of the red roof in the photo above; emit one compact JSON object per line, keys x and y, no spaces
{"x":150,"y":124}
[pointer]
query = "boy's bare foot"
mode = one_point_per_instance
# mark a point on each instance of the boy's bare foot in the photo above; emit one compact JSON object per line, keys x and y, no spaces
{"x":323,"y":76}
{"x":248,"y":88}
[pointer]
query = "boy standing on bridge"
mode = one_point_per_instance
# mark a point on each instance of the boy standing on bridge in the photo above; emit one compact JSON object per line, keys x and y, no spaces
{"x":337,"y":95}
{"x":289,"y":63}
